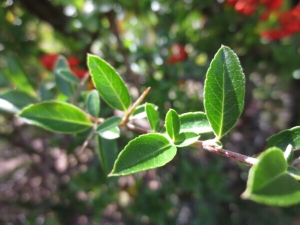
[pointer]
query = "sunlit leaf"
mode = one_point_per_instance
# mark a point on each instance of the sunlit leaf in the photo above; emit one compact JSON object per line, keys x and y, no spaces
{"x":186,"y":138}
{"x":196,"y":122}
{"x":57,"y":116}
{"x":269,"y":181}
{"x":153,"y":116}
{"x":224,"y":91}
{"x":109,"y":83}
{"x":172,"y":123}
{"x":284,"y":138}
{"x":142,"y":153}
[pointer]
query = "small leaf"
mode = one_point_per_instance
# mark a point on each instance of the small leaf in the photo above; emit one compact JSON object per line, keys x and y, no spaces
{"x":140,"y":112}
{"x":224,"y":91}
{"x":145,"y":152}
{"x":153,"y":116}
{"x":108,"y":152}
{"x":270,"y":183}
{"x":289,"y":153}
{"x":109,"y":83}
{"x":63,"y":85}
{"x":57,"y":116}
{"x":13,"y":101}
{"x":172,"y":123}
{"x":67,"y":75}
{"x":194,"y":122}
{"x":93,"y":103}
{"x":185,"y":139}
{"x":295,"y":173}
{"x":284,"y":138}
{"x":108,"y":124}
{"x":111,"y":133}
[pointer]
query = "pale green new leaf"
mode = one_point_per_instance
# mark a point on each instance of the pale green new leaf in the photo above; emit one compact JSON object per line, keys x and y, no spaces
{"x":153,"y":116}
{"x":196,"y":122}
{"x":172,"y":123}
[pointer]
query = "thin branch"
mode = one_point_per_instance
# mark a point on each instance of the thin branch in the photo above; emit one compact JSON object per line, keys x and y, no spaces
{"x":88,"y":139}
{"x":229,"y":154}
{"x":79,"y":87}
{"x":137,"y":129}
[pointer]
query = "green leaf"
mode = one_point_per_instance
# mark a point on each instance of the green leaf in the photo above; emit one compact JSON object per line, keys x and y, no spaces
{"x":62,"y":82}
{"x":294,"y":172}
{"x":196,"y":122}
{"x":108,"y":124}
{"x":270,"y":183}
{"x":57,"y":116}
{"x":109,"y":83}
{"x":224,"y":91}
{"x":108,"y":152}
{"x":153,"y":116}
{"x":284,"y":138}
{"x":140,"y":112}
{"x":13,"y":101}
{"x":145,"y":152}
{"x":186,"y":138}
{"x":67,"y":75}
{"x":93,"y":103}
{"x":111,"y":133}
{"x":172,"y":123}
{"x":16,"y":73}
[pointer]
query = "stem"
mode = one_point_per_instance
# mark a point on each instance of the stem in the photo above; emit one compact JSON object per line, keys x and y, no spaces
{"x":88,"y":139}
{"x":229,"y":154}
{"x":79,"y":87}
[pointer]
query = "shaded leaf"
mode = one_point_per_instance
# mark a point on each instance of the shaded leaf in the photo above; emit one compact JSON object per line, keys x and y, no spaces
{"x":57,"y":116}
{"x":172,"y":123}
{"x":153,"y":116}
{"x":109,"y":83}
{"x":270,"y":183}
{"x":93,"y":103}
{"x":108,"y":152}
{"x":185,"y":139}
{"x":224,"y":91}
{"x":108,"y":124}
{"x":196,"y":122}
{"x":284,"y":138}
{"x":145,"y":152}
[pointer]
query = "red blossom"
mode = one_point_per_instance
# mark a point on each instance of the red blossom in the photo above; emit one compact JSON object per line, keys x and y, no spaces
{"x":49,"y":60}
{"x":178,"y":54}
{"x":73,"y":61}
{"x":79,"y":72}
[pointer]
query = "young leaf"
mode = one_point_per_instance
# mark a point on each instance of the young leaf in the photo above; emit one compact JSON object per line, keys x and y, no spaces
{"x":57,"y":116}
{"x":172,"y":123}
{"x":62,"y":83}
{"x":140,"y":112}
{"x":93,"y":103}
{"x":224,"y":91}
{"x":108,"y":124}
{"x":185,"y":139}
{"x":153,"y":116}
{"x":108,"y":152}
{"x":13,"y":101}
{"x":194,"y":122}
{"x":109,"y":83}
{"x":111,"y":133}
{"x":145,"y":152}
{"x":270,"y":183}
{"x":284,"y":138}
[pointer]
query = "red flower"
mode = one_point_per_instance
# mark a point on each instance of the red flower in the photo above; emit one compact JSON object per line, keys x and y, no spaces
{"x":49,"y":60}
{"x":178,"y":54}
{"x":73,"y":61}
{"x":79,"y":72}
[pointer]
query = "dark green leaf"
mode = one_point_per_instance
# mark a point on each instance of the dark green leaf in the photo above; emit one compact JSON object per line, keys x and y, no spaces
{"x":284,"y":138}
{"x":109,"y":83}
{"x":57,"y":116}
{"x":108,"y":151}
{"x":13,"y":101}
{"x":270,"y":183}
{"x":194,"y":122}
{"x":63,"y":84}
{"x":224,"y":91}
{"x":185,"y":139}
{"x":145,"y":152}
{"x":294,"y":172}
{"x":93,"y":103}
{"x":67,"y":75}
{"x":153,"y":116}
{"x":172,"y":123}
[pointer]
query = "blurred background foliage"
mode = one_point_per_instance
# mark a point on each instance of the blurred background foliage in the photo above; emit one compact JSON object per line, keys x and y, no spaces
{"x":44,"y":179}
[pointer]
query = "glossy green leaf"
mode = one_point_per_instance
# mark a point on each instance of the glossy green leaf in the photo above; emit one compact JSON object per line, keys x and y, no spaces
{"x":140,"y":112}
{"x":109,"y":123}
{"x":108,"y":152}
{"x":57,"y":116}
{"x":153,"y":116}
{"x":224,"y":91}
{"x":142,"y":153}
{"x":63,"y":84}
{"x":13,"y":101}
{"x":196,"y":122}
{"x":186,"y":138}
{"x":111,"y":133}
{"x":109,"y":83}
{"x":269,"y":181}
{"x":17,"y":75}
{"x":93,"y":103}
{"x":284,"y":138}
{"x":172,"y":124}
